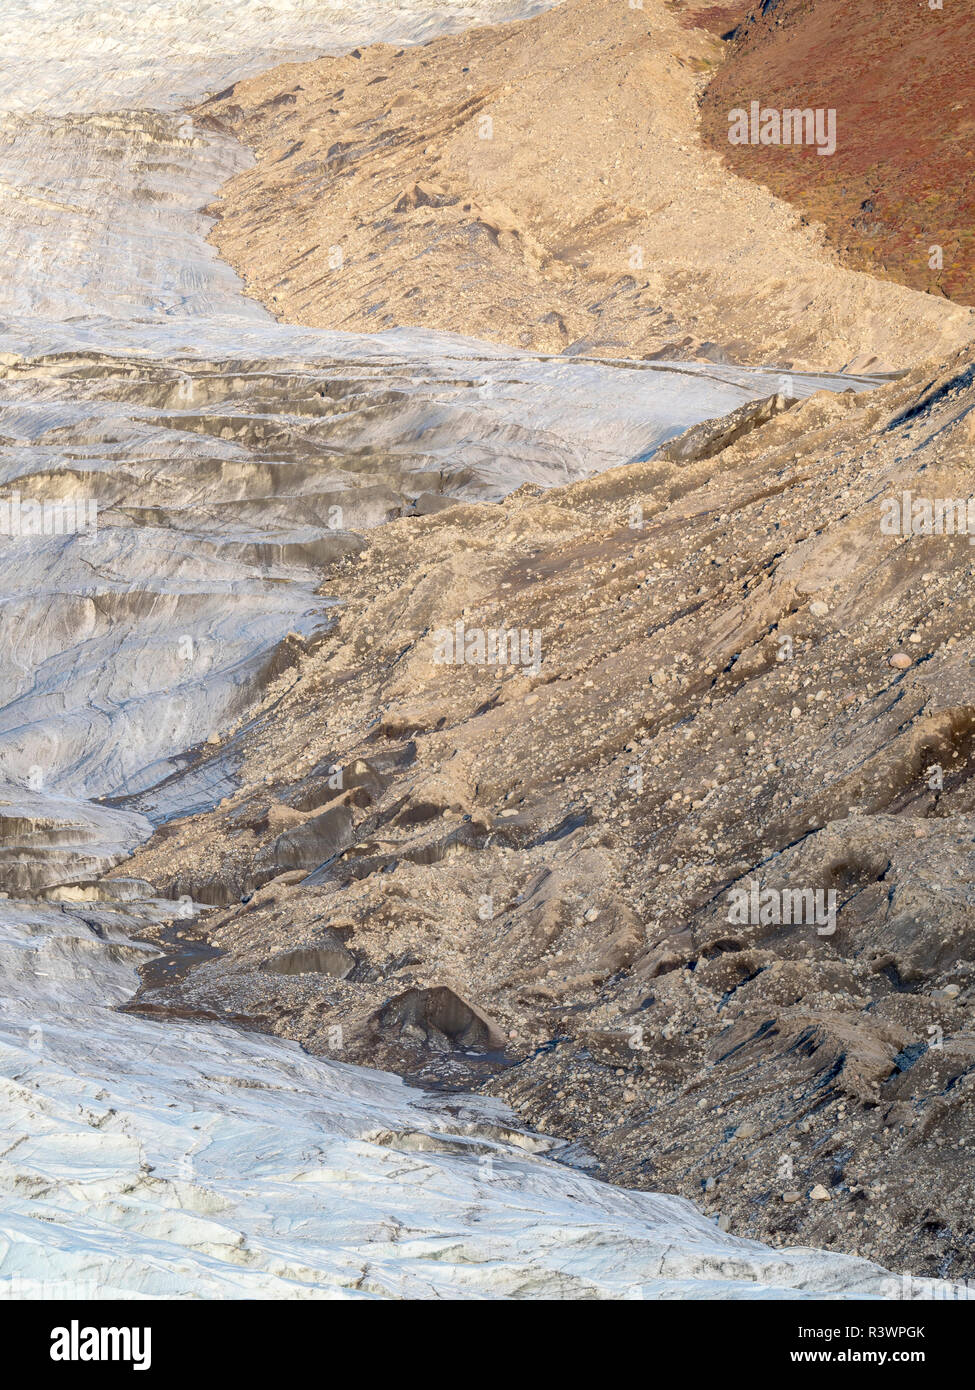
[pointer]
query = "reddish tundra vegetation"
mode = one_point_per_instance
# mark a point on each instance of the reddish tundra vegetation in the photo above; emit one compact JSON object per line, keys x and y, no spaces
{"x":900,"y":77}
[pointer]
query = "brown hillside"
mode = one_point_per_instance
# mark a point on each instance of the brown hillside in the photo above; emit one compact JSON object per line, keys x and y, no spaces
{"x":900,"y":77}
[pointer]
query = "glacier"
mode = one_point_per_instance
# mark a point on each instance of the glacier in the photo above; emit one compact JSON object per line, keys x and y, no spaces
{"x":230,"y":456}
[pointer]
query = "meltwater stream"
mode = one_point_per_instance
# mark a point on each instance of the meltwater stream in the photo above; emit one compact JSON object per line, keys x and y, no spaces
{"x":229,"y":457}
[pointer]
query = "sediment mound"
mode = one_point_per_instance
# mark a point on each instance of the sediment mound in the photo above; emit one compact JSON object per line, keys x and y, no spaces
{"x":541,"y":184}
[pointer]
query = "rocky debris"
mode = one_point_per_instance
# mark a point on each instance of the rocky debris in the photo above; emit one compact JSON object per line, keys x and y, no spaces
{"x":543,"y":184}
{"x":309,"y":844}
{"x":327,"y":956}
{"x":224,"y":489}
{"x":707,"y":867}
{"x":280,"y":817}
{"x":165,"y":665}
{"x":440,"y":1018}
{"x":711,"y":436}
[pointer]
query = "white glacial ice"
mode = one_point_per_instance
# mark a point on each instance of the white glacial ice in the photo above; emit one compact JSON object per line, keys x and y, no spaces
{"x":174,"y":1158}
{"x":229,"y":457}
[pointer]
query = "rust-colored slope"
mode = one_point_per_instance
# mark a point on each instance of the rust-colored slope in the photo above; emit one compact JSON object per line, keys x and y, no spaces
{"x":900,"y":77}
{"x":718,"y":19}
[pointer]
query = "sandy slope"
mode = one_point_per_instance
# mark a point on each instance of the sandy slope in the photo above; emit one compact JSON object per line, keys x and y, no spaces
{"x":542,"y":184}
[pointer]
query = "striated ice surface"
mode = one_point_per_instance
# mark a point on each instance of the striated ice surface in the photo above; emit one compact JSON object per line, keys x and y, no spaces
{"x":164,"y":54}
{"x":164,"y":1159}
{"x":230,"y":458}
